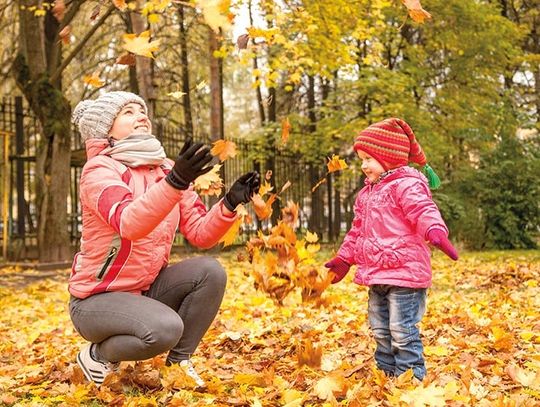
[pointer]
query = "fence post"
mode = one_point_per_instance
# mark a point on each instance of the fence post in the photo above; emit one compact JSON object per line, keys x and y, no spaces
{"x":19,"y":152}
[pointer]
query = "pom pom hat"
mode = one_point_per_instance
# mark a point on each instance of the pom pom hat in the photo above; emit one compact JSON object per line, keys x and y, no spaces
{"x":393,"y":144}
{"x":94,"y":118}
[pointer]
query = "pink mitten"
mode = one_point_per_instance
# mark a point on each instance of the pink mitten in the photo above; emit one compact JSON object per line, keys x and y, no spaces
{"x":438,"y":238}
{"x":339,"y":267}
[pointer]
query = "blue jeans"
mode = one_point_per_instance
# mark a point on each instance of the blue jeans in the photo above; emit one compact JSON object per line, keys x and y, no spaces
{"x":394,"y":313}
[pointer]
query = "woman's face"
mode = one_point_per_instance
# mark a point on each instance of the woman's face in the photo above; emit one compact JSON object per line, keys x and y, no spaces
{"x":131,"y":119}
{"x":370,"y":166}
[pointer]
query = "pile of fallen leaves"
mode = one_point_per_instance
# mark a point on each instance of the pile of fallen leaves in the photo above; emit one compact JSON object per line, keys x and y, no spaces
{"x":481,"y":335}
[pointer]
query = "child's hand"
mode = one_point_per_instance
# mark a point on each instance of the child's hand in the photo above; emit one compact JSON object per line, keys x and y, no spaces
{"x":339,"y":267}
{"x":438,"y":238}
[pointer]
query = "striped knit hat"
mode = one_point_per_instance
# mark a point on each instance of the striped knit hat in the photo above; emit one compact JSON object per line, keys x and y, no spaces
{"x":94,"y":118}
{"x":393,"y":144}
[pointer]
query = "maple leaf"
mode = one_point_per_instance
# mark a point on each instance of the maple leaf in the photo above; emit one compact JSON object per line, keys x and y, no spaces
{"x":263,"y":209}
{"x":140,"y":44}
{"x":289,"y":214}
{"x":209,"y":183}
{"x":213,"y":12}
{"x":318,"y":184}
{"x":308,"y":354}
{"x":120,"y":4}
{"x":127,"y":58}
{"x":311,"y":237}
{"x":336,"y":164}
{"x":431,"y":395}
{"x":416,"y":11}
{"x":228,"y":238}
{"x":223,"y":149}
{"x":285,"y":130}
{"x":327,"y":387}
{"x":265,"y":188}
{"x":93,"y":80}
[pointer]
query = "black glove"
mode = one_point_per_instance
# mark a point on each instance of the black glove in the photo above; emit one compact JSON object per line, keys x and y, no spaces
{"x":189,"y":165}
{"x":242,"y":190}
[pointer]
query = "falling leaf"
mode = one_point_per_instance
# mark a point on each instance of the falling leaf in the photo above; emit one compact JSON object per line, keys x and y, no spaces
{"x":59,"y":10}
{"x":265,"y":188}
{"x":120,"y":4}
{"x":213,"y":13}
{"x":231,"y":235}
{"x":289,"y":214}
{"x":201,"y":85}
{"x":263,"y":209}
{"x":318,"y":184}
{"x":127,"y":58}
{"x":176,"y":95}
{"x":140,"y":44}
{"x":285,"y":187}
{"x":308,"y":354}
{"x":285,"y":129}
{"x":416,"y":11}
{"x":242,"y":41}
{"x":311,"y":237}
{"x":223,"y":149}
{"x":95,"y":12}
{"x":336,"y":164}
{"x":93,"y":80}
{"x":268,"y":175}
{"x":65,"y":34}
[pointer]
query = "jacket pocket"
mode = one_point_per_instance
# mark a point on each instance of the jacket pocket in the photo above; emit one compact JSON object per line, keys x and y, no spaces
{"x":387,"y":256}
{"x":101,"y":273}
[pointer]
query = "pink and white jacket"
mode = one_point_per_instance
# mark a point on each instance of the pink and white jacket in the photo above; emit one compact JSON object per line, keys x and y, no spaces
{"x":130,"y":217}
{"x":387,"y":240}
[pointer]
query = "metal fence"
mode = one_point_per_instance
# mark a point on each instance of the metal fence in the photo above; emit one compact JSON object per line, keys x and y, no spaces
{"x":21,"y":127}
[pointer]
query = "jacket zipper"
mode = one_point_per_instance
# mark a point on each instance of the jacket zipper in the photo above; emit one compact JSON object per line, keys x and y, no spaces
{"x":107,"y":262}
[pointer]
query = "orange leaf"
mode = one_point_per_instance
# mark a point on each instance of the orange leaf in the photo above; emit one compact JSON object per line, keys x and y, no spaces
{"x":64,"y":34}
{"x":318,"y":184}
{"x":416,"y":11}
{"x":223,"y":149}
{"x":120,"y":4}
{"x":209,"y":183}
{"x":263,"y":210}
{"x":268,"y":175}
{"x":265,"y":188}
{"x":93,"y":80}
{"x":285,"y":129}
{"x":336,"y":164}
{"x":308,"y":354}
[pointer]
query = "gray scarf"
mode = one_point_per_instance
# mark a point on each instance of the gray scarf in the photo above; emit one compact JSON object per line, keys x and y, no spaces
{"x":136,"y":150}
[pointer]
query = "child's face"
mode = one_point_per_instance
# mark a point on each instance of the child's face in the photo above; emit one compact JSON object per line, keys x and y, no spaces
{"x":370,"y":166}
{"x":131,"y":119}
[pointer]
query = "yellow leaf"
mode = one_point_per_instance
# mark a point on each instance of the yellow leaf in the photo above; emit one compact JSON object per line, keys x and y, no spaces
{"x":336,"y":164}
{"x":312,"y":237}
{"x":213,"y":13}
{"x":209,"y":183}
{"x":326,"y":387}
{"x":93,"y":80}
{"x":154,"y":18}
{"x":265,"y":188}
{"x":416,"y":11}
{"x":425,"y":396}
{"x":176,"y":95}
{"x":223,"y":149}
{"x":263,"y":209}
{"x":40,"y":13}
{"x":140,"y":44}
{"x":229,"y":237}
{"x":436,"y":350}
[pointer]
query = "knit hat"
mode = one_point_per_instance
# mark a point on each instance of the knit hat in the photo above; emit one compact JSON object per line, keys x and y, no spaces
{"x":393,"y":144}
{"x":95,"y":118}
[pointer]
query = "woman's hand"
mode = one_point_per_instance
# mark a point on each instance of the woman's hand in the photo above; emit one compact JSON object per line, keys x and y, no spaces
{"x":242,"y":190}
{"x":189,"y":165}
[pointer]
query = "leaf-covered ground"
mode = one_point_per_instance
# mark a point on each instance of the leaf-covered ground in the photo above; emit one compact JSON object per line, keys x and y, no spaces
{"x":481,"y":332}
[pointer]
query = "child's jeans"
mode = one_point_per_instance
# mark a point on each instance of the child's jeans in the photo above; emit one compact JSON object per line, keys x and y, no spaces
{"x":394,"y":313}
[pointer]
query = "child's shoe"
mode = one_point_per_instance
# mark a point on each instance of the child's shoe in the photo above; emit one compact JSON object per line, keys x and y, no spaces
{"x":94,"y":370}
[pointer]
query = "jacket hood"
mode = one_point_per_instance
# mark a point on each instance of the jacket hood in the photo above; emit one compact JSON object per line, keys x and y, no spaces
{"x":400,"y":172}
{"x":94,"y":146}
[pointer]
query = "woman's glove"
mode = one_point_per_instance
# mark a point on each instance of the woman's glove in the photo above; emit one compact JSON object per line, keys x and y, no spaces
{"x":189,"y":165}
{"x":242,"y":190}
{"x":438,"y":238}
{"x":339,"y":267}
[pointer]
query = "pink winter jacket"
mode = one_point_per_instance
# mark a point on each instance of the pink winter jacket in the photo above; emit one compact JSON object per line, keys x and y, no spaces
{"x":387,"y":240}
{"x":130,"y":217}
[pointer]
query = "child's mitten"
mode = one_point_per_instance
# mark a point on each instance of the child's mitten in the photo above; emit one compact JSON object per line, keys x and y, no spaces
{"x":339,"y":267}
{"x":438,"y":238}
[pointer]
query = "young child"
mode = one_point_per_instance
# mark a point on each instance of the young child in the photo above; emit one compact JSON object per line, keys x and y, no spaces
{"x":126,"y":299}
{"x":394,"y":216}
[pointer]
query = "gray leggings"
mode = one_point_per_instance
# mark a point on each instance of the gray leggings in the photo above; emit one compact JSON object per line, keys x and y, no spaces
{"x":173,"y":315}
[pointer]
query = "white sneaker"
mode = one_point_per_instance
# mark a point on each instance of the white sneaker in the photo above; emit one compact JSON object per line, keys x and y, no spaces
{"x":93,"y":370}
{"x":191,"y":372}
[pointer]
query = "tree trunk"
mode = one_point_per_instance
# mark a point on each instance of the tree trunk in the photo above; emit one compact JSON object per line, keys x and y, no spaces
{"x":260,"y":104}
{"x":216,"y":98}
{"x":184,"y":60}
{"x":317,"y":201}
{"x":144,"y":69}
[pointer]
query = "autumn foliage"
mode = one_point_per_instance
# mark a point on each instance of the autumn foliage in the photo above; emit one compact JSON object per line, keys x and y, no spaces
{"x":481,"y":335}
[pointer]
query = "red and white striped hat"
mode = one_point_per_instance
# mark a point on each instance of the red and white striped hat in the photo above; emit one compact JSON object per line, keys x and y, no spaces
{"x":392,"y":143}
